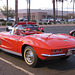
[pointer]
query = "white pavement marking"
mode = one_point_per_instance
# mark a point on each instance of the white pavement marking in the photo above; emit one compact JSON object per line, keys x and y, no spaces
{"x":29,"y":73}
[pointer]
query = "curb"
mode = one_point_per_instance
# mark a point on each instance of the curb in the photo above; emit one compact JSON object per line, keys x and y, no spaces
{"x":3,"y":26}
{"x":57,"y":25}
{"x":48,"y":25}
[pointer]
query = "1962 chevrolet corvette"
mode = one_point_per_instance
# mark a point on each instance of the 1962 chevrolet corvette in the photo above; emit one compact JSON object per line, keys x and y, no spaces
{"x":34,"y":45}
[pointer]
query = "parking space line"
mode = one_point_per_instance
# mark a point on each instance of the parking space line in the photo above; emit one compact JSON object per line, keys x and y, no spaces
{"x":29,"y":73}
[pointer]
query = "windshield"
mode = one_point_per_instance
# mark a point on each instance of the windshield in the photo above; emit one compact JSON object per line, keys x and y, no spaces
{"x":27,"y":25}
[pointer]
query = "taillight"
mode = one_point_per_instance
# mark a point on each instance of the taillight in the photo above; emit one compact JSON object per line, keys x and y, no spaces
{"x":38,"y":28}
{"x":41,"y":28}
{"x":28,"y":28}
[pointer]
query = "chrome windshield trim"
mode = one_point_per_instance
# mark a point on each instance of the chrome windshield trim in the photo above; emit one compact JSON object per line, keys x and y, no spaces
{"x":12,"y":52}
{"x":53,"y":55}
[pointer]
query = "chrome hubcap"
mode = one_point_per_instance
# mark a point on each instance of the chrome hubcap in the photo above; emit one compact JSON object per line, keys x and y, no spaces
{"x":29,"y":56}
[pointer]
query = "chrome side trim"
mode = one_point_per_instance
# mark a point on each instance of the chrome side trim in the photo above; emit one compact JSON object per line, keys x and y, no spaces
{"x":12,"y":52}
{"x":53,"y":55}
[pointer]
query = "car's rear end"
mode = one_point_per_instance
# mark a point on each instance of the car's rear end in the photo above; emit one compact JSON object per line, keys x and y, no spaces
{"x":32,"y":27}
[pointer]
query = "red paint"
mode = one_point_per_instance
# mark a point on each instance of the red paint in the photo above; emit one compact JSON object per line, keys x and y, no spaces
{"x":22,"y":23}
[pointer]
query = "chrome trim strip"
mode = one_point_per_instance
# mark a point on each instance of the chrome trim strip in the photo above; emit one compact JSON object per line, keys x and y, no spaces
{"x":53,"y":55}
{"x":12,"y":52}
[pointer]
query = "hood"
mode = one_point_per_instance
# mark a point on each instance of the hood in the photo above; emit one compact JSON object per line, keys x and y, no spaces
{"x":56,"y":40}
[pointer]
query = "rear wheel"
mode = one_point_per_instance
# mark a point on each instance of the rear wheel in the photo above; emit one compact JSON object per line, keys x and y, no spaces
{"x":30,"y":56}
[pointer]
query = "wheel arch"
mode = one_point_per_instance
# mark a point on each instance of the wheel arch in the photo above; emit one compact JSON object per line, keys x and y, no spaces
{"x":23,"y":47}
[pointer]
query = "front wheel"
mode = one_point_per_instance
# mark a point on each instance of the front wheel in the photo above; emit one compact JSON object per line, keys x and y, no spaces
{"x":30,"y":56}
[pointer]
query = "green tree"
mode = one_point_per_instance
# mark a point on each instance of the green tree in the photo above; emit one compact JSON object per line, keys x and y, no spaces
{"x":62,"y":6}
{"x":4,"y":11}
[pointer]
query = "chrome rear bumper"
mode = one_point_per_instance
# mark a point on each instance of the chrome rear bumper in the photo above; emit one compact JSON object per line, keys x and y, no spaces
{"x":53,"y":55}
{"x":68,"y":53}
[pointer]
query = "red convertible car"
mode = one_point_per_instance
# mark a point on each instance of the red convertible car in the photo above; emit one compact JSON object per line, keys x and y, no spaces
{"x":35,"y":45}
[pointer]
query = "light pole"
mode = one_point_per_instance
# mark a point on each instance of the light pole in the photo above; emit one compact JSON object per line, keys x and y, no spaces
{"x":16,"y":11}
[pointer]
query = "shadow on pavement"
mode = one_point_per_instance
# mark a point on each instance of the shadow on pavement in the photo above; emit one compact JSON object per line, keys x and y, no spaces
{"x":55,"y":64}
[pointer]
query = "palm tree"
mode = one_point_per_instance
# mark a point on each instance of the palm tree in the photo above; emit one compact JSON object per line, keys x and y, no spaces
{"x":62,"y":6}
{"x":16,"y":11}
{"x":28,"y":10}
{"x":7,"y":10}
{"x":73,"y":7}
{"x":54,"y":11}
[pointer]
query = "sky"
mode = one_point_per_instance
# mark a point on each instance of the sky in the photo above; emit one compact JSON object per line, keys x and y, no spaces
{"x":36,"y":4}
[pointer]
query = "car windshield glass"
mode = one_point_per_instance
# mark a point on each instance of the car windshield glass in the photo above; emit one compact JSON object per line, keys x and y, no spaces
{"x":27,"y":25}
{"x":21,"y":26}
{"x":31,"y":25}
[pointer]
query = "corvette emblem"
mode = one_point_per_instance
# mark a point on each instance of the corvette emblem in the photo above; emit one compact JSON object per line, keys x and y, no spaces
{"x":66,"y":40}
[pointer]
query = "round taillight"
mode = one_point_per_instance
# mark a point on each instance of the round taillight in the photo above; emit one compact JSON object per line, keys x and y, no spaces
{"x":25,"y":28}
{"x":38,"y":28}
{"x":28,"y":28}
{"x":41,"y":28}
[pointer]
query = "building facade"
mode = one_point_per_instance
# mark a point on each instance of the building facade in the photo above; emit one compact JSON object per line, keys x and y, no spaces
{"x":36,"y":14}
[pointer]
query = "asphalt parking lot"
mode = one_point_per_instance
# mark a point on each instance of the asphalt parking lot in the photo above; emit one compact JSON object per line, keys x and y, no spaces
{"x":15,"y":65}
